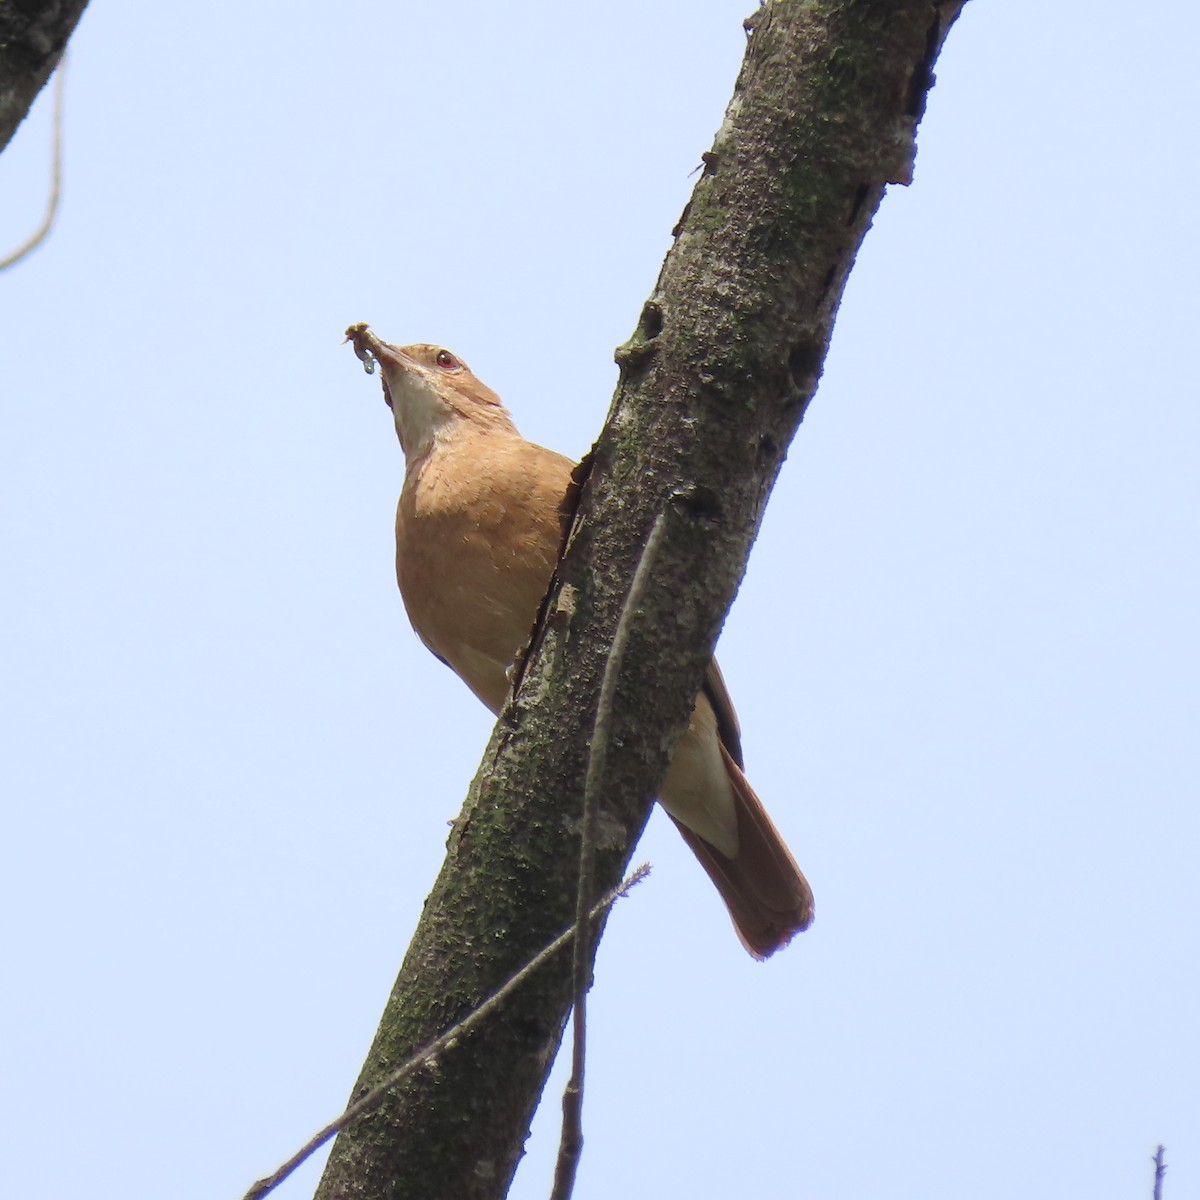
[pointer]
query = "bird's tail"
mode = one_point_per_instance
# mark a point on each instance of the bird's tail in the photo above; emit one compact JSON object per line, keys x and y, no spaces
{"x":765,"y":891}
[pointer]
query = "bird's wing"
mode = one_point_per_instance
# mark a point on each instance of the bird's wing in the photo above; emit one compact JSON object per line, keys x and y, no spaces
{"x":728,"y":729}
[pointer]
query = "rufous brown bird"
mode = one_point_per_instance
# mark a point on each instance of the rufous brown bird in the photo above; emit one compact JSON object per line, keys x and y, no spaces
{"x":478,"y":533}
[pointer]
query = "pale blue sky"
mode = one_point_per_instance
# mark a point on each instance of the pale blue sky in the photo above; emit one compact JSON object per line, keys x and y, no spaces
{"x":965,"y":653}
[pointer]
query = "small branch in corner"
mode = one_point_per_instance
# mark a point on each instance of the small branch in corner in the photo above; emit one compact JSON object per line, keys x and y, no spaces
{"x":1160,"y":1169}
{"x":43,"y":230}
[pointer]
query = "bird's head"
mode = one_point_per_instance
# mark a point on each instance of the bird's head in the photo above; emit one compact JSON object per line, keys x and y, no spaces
{"x":430,"y":391}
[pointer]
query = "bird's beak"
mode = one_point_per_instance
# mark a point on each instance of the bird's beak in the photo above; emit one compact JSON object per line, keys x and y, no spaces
{"x":371,"y":349}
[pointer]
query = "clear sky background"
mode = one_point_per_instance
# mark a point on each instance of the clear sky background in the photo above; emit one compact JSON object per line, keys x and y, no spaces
{"x":964,"y":655}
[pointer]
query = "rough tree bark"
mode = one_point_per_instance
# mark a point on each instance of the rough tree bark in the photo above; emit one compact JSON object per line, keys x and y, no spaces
{"x":713,"y":384}
{"x":33,"y":36}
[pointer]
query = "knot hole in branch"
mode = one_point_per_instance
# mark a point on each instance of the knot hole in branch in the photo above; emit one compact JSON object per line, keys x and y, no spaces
{"x":699,"y":502}
{"x":804,"y":360}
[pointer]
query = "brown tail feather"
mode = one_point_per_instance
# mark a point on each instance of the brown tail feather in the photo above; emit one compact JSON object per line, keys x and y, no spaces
{"x":766,"y":894}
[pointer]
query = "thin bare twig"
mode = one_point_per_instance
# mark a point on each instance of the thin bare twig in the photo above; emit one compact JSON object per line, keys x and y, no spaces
{"x":570,"y":1146}
{"x":44,"y":228}
{"x":427,"y":1055}
{"x":1160,"y":1169}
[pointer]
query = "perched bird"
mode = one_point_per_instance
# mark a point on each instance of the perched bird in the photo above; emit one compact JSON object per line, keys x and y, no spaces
{"x":477,"y":538}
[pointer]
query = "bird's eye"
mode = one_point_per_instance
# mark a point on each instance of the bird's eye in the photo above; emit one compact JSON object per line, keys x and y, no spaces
{"x":447,"y":361}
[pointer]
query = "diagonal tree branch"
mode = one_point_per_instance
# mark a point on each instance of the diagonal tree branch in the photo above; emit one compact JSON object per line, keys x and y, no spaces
{"x":714,"y":382}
